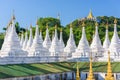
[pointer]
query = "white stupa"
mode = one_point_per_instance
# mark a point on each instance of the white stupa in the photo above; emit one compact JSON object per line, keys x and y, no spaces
{"x":47,"y":41}
{"x":55,"y":47}
{"x":96,"y":46}
{"x":115,"y":42}
{"x":83,"y":49}
{"x":37,"y":48}
{"x":71,"y":46}
{"x":106,"y":42}
{"x":61,"y":42}
{"x":11,"y":44}
{"x":25,"y":41}
{"x":30,"y":41}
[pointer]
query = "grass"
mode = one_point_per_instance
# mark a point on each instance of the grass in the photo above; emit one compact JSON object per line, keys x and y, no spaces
{"x":20,"y":70}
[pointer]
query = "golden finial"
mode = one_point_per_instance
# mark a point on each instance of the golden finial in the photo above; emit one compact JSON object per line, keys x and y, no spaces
{"x":109,"y":75}
{"x":13,"y":16}
{"x":40,"y":30}
{"x":70,"y":25}
{"x":46,"y":25}
{"x":90,"y":15}
{"x":107,"y":25}
{"x":90,"y":76}
{"x":83,"y":24}
{"x":96,"y":24}
{"x":115,"y":21}
{"x":37,"y":22}
{"x":61,"y":30}
{"x":77,"y":73}
{"x":56,"y":26}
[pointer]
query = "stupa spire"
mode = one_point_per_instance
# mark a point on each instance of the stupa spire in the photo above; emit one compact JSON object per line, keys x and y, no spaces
{"x":77,"y":73}
{"x":71,"y":46}
{"x":83,"y":46}
{"x":61,"y":41}
{"x":26,"y":40}
{"x":90,"y":76}
{"x":115,"y":42}
{"x":47,"y":41}
{"x":109,"y":75}
{"x":106,"y":42}
{"x":30,"y":41}
{"x":96,"y":46}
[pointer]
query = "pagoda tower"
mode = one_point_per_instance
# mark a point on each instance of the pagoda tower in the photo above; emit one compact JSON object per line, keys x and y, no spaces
{"x":11,"y":46}
{"x":47,"y":41}
{"x":109,"y":75}
{"x":37,"y":48}
{"x":90,"y":76}
{"x":55,"y":47}
{"x":83,"y":48}
{"x":30,"y":41}
{"x":62,"y":45}
{"x":71,"y":46}
{"x":96,"y":46}
{"x":115,"y":42}
{"x":106,"y":42}
{"x":25,"y":41}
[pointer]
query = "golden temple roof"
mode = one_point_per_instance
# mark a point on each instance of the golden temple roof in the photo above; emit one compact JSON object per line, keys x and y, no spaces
{"x":90,"y":15}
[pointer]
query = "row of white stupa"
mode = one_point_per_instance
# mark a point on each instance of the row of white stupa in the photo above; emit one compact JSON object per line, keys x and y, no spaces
{"x":15,"y":47}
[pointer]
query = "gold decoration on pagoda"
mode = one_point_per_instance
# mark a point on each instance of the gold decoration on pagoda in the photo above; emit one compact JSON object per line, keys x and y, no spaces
{"x":96,"y":24}
{"x":90,"y":76}
{"x":107,"y":25}
{"x":77,"y":73}
{"x":83,"y":24}
{"x":46,"y":25}
{"x":109,"y":75}
{"x":115,"y":21}
{"x":56,"y":26}
{"x":61,"y":30}
{"x":70,"y":25}
{"x":90,"y":15}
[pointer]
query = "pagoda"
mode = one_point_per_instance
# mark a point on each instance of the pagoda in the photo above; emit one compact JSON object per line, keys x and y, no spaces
{"x":47,"y":41}
{"x":30,"y":41}
{"x":37,"y":48}
{"x":55,"y":47}
{"x":11,"y":46}
{"x":71,"y":46}
{"x":25,"y":41}
{"x":96,"y":46}
{"x":83,"y":48}
{"x":115,"y":42}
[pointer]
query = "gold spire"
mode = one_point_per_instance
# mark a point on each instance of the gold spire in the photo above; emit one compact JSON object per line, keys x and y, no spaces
{"x":109,"y":75}
{"x":77,"y":73}
{"x":61,"y":30}
{"x":107,"y":25}
{"x":83,"y":24}
{"x":96,"y":24}
{"x":46,"y":25}
{"x":37,"y":22}
{"x":70,"y":25}
{"x":115,"y":21}
{"x":90,"y":15}
{"x":56,"y":26}
{"x":13,"y":16}
{"x":90,"y":76}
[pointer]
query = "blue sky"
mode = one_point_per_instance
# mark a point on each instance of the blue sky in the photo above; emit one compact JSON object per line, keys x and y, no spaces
{"x":27,"y":11}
